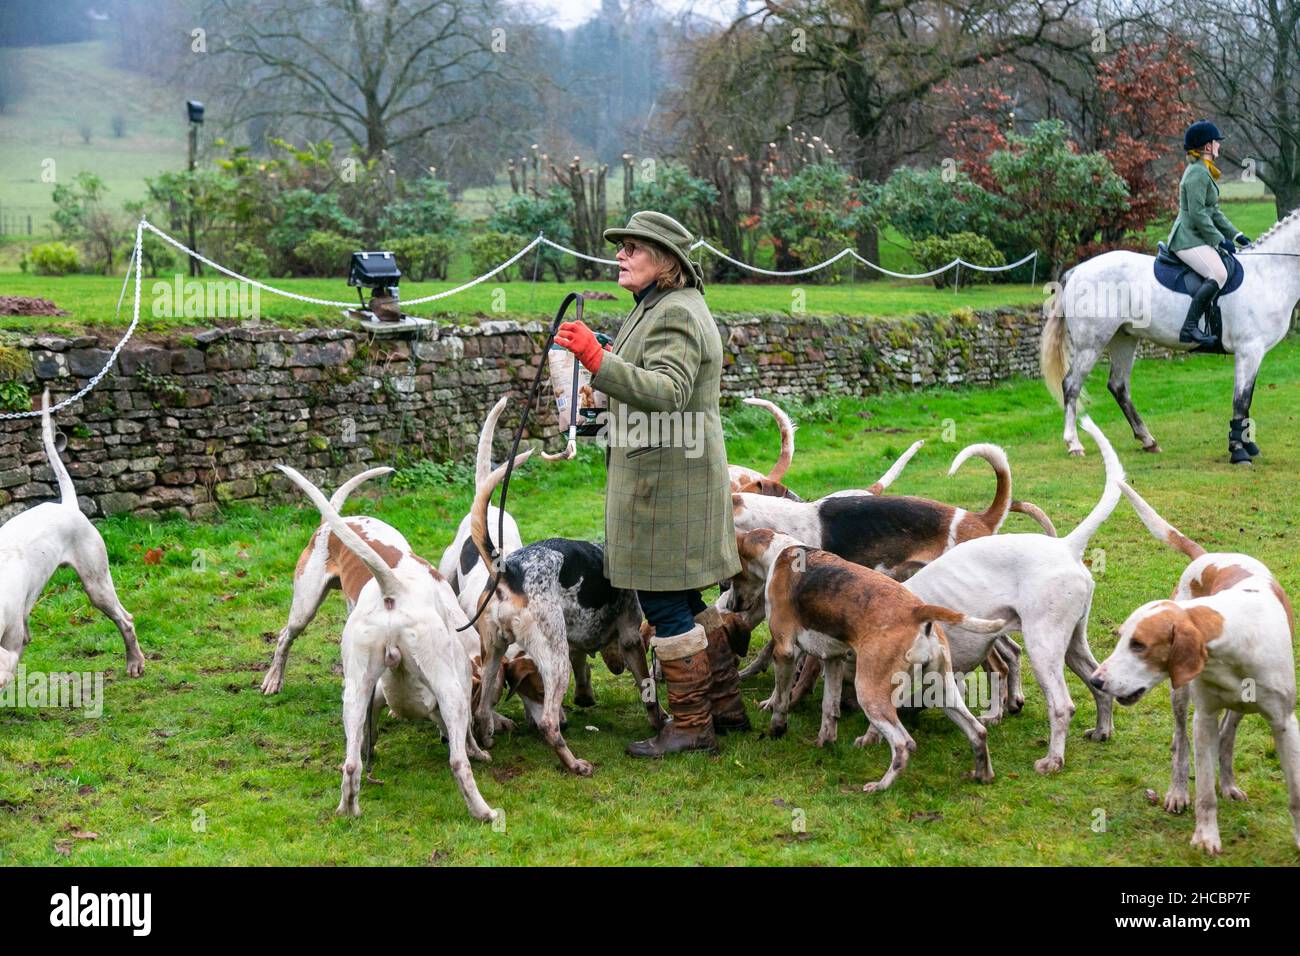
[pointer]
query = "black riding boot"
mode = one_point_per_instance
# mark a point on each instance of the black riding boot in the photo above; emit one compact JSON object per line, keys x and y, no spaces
{"x":1199,"y":307}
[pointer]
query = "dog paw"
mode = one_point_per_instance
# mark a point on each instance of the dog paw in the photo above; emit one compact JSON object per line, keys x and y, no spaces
{"x":980,"y":776}
{"x":1016,"y":704}
{"x":371,"y":778}
{"x":990,"y":720}
{"x":272,"y":683}
{"x":1176,"y":801}
{"x":583,"y":768}
{"x":347,"y":809}
{"x":135,"y":668}
{"x":775,"y":729}
{"x":1049,"y":764}
{"x":1153,"y":448}
{"x":767,"y":704}
{"x":1234,"y":793}
{"x":502,"y":724}
{"x":1098,"y":734}
{"x":873,"y":787}
{"x":826,"y":737}
{"x":1207,"y":840}
{"x":872,"y":736}
{"x":1076,"y":451}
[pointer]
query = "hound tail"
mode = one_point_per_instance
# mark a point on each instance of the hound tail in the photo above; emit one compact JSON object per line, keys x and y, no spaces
{"x":787,"y":427}
{"x":926,"y":648}
{"x":1078,"y":539}
{"x":389,"y":585}
{"x":341,"y":493}
{"x":996,"y":513}
{"x":478,"y":512}
{"x":1037,"y":513}
{"x":483,"y":459}
{"x":895,"y":469}
{"x":1054,"y":345}
{"x":1161,"y":529}
{"x":946,"y":615}
{"x":67,"y":491}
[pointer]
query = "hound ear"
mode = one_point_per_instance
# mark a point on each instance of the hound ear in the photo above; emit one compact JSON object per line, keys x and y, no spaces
{"x":1193,"y":630}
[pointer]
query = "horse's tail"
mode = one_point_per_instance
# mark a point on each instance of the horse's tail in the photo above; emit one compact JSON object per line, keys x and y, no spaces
{"x":1053,"y":347}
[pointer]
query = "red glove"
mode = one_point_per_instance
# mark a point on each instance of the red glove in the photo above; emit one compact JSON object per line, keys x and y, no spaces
{"x":582,"y":342}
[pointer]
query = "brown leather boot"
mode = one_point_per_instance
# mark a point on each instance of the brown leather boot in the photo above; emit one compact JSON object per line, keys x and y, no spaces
{"x":685,"y":664}
{"x":724,"y":693}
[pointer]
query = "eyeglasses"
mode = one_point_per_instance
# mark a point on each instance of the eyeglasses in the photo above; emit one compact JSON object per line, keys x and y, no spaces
{"x":629,"y":249}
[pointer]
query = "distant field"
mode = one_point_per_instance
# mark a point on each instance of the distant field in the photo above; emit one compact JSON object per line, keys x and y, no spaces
{"x":70,"y":84}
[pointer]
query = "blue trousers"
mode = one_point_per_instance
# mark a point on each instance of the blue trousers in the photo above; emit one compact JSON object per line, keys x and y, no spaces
{"x":671,"y":612}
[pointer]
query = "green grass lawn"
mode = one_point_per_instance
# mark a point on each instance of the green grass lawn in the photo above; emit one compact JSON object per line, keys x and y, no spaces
{"x":92,"y":300}
{"x":190,"y":764}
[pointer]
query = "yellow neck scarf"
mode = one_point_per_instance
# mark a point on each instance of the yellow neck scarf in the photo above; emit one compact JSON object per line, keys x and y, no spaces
{"x":1209,"y":163}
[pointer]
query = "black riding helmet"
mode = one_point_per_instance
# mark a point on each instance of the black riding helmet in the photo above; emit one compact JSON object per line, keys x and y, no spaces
{"x":1200,"y":133}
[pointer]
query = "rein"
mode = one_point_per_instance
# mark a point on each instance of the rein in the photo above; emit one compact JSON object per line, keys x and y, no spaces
{"x":491,"y":586}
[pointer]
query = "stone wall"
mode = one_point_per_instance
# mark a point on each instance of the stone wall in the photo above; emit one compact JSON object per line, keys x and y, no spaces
{"x":186,"y":422}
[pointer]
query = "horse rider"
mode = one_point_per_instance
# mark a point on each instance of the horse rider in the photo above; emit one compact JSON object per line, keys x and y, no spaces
{"x":1201,"y":228}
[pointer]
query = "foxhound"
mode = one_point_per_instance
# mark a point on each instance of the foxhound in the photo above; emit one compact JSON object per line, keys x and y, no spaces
{"x":400,"y":649}
{"x":39,"y":541}
{"x":1040,"y":586}
{"x":895,"y":535}
{"x":553,"y":599}
{"x":1225,"y":640}
{"x":829,"y":607}
{"x":468,"y":576}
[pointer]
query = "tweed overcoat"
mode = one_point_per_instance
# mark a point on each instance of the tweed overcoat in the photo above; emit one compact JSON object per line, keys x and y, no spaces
{"x":668,"y":521}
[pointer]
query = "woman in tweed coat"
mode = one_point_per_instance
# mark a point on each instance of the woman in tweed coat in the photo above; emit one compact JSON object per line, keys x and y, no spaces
{"x":668,"y":523}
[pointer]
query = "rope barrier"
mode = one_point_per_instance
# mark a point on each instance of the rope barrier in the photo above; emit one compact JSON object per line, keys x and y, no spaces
{"x":135,"y":264}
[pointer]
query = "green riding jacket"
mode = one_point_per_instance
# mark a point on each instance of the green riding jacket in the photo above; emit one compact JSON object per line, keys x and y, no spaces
{"x":1199,"y":222}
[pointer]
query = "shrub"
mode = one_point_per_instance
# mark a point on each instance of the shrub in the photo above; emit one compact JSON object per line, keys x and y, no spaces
{"x":249,"y":259}
{"x":424,"y":209}
{"x":936,"y":251}
{"x":303,"y":213}
{"x":922,"y":203}
{"x":420,"y":257}
{"x":54,"y":259}
{"x":488,"y":250}
{"x":675,"y":192}
{"x":1062,"y":197}
{"x":324,"y":253}
{"x":815,"y":213}
{"x":527,"y":215}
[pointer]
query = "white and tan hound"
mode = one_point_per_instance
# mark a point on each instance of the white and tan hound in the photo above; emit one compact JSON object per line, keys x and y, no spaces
{"x":400,"y":648}
{"x":829,"y":607}
{"x":34,"y":544}
{"x":1225,"y":640}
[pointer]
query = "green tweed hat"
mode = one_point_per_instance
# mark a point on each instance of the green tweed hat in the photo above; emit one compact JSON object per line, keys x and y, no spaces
{"x":665,"y":231}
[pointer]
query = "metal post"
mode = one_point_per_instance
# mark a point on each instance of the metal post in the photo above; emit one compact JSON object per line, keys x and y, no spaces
{"x":957,"y":280}
{"x":194,"y":143}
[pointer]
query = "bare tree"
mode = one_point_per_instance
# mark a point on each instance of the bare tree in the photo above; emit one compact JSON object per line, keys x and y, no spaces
{"x":877,"y":61}
{"x":379,"y":74}
{"x":1247,"y":59}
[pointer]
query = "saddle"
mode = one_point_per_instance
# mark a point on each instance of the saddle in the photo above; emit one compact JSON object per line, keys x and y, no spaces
{"x":1177,"y":276}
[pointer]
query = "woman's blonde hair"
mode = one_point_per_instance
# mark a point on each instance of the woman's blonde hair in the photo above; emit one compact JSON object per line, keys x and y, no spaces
{"x":669,"y":273}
